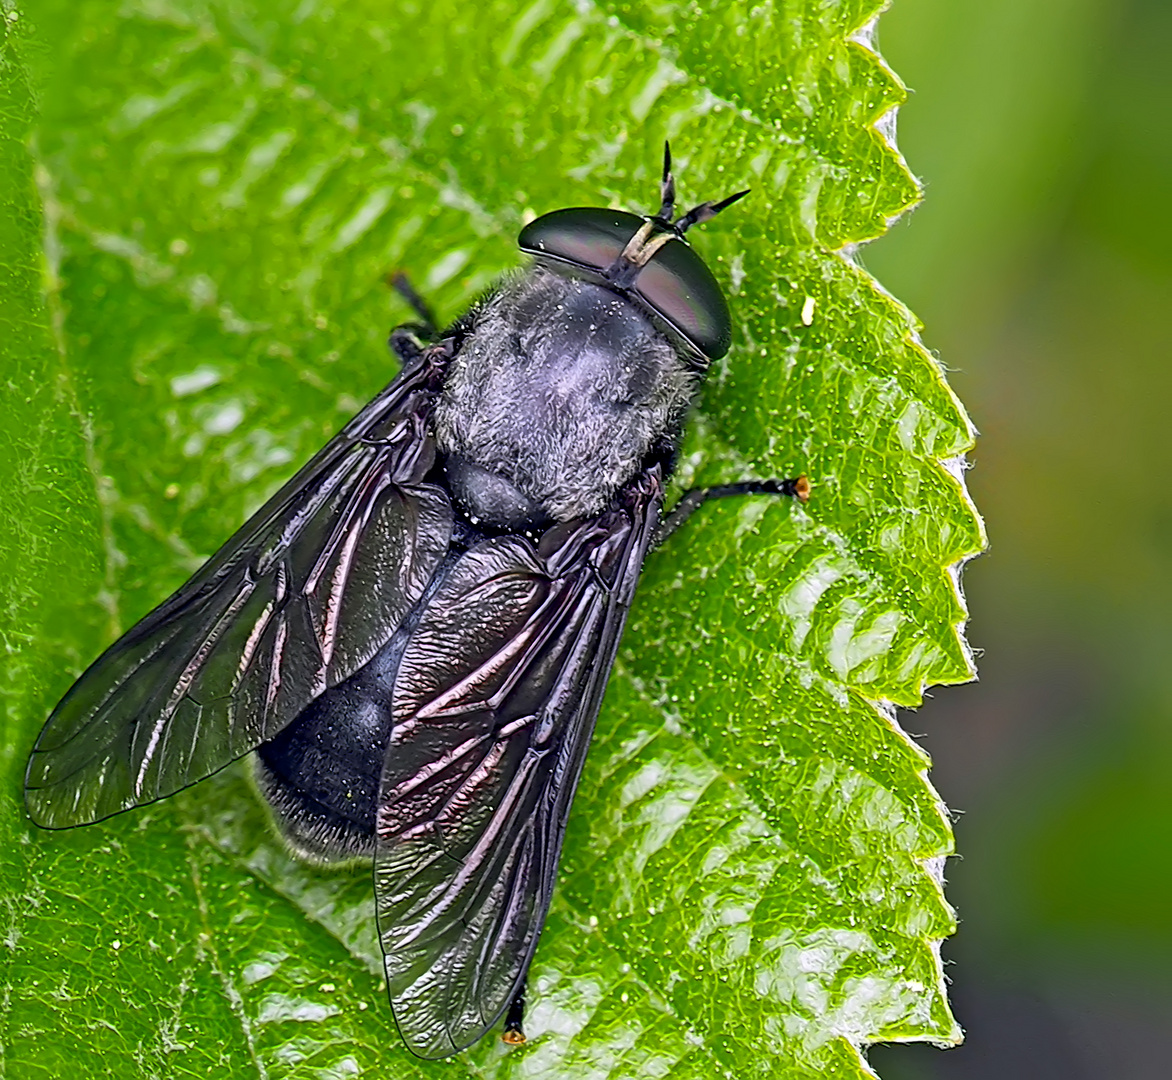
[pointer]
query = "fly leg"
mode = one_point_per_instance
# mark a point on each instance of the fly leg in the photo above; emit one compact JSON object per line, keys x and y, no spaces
{"x":513,"y":1034}
{"x":409,"y":340}
{"x":399,"y":282}
{"x":798,"y":488}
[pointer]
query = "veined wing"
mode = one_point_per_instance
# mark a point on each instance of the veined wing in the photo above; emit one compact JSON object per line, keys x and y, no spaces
{"x":494,"y":705}
{"x":300,"y":598}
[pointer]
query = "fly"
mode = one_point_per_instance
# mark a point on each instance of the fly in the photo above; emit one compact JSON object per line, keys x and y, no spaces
{"x":414,"y":634}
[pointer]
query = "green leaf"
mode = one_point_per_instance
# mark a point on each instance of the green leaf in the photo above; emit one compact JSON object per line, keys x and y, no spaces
{"x":751,"y":878}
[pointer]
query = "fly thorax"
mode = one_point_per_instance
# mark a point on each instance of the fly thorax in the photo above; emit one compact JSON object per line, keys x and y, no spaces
{"x":555,"y":400}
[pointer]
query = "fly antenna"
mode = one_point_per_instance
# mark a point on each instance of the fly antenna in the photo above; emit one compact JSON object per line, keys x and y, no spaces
{"x":706,"y":212}
{"x":667,"y":187}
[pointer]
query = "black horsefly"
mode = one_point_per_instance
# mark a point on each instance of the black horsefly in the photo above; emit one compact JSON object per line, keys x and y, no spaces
{"x":413,"y":635}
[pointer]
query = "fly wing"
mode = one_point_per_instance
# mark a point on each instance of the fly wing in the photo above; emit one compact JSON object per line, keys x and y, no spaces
{"x":494,"y":705}
{"x":300,"y":598}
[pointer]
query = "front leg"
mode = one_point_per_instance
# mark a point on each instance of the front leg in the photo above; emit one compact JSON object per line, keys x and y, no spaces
{"x":409,"y":340}
{"x":797,"y":488}
{"x":409,"y":344}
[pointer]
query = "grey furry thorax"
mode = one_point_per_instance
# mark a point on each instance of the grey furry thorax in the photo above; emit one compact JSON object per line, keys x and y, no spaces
{"x":554,"y":401}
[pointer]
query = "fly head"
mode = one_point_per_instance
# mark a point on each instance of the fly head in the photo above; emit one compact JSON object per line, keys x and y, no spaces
{"x":645,"y":258}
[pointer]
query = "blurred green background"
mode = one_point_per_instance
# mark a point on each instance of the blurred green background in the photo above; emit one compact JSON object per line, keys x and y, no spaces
{"x":1041,"y":265}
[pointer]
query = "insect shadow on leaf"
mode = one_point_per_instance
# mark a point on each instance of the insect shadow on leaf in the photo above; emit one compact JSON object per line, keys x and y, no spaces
{"x":415,"y":632}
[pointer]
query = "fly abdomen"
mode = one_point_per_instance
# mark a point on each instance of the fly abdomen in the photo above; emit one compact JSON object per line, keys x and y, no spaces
{"x":321,"y":774}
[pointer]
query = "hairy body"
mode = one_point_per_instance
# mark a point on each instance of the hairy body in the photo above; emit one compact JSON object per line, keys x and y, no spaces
{"x":558,"y":395}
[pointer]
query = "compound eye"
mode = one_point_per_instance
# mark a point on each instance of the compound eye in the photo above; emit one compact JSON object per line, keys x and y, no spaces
{"x":586,"y":237}
{"x":675,"y":284}
{"x":679,"y":287}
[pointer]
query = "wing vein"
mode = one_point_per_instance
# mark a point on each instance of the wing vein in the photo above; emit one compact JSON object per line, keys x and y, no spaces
{"x":183,"y":683}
